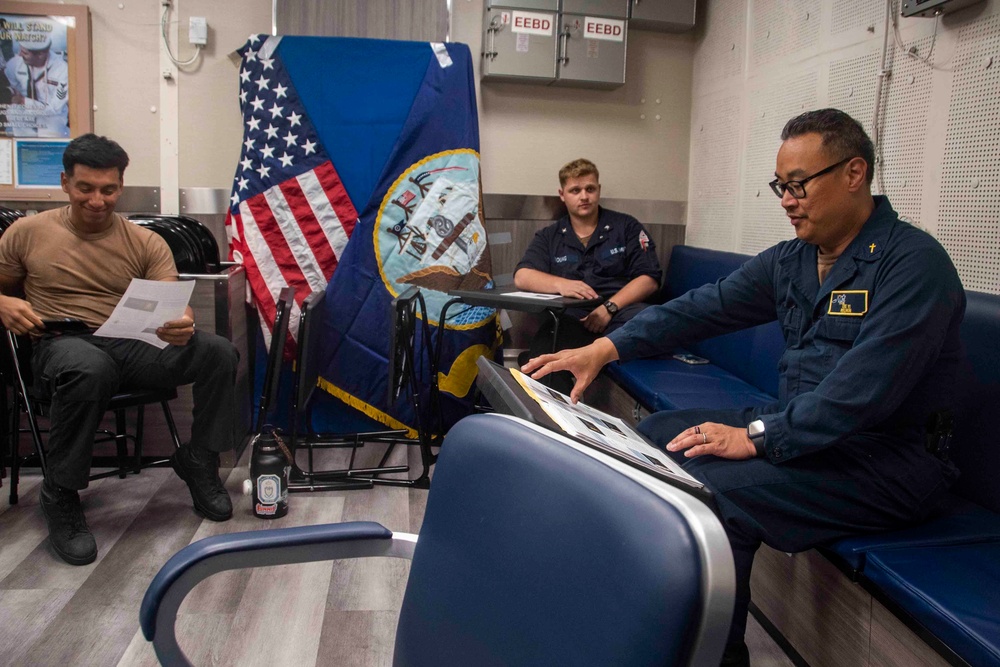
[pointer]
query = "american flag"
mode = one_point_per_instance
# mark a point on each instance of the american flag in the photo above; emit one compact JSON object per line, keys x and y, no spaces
{"x":289,"y":217}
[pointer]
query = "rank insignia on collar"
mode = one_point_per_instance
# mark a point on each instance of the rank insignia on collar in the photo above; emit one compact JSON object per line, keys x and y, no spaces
{"x":852,"y":303}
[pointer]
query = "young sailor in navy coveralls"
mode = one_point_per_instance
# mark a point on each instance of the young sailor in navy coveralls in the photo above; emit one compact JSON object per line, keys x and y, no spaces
{"x":590,"y":252}
{"x":870,"y":308}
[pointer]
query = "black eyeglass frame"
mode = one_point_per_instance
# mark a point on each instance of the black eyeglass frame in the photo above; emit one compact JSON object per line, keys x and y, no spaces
{"x":779,"y":188}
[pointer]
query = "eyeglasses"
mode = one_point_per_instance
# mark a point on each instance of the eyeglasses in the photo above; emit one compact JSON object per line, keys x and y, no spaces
{"x":797,"y":188}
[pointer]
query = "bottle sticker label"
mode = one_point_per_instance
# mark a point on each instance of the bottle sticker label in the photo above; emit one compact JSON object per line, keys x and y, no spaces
{"x":265,"y":510}
{"x":268,"y":489}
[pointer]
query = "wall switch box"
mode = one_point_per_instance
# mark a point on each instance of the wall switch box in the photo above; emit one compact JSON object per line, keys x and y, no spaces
{"x":198,"y":30}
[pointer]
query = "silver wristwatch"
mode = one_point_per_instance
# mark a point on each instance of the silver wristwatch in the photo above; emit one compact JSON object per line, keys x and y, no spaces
{"x":755,"y":431}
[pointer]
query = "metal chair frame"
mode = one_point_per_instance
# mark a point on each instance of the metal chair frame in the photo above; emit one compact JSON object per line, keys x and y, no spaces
{"x":305,"y":380}
{"x":19,"y":354}
{"x":453,"y":612}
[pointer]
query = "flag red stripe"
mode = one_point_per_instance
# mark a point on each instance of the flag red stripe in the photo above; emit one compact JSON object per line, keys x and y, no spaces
{"x":283,"y":258}
{"x":330,"y":180}
{"x":308,"y":224}
{"x":259,"y":289}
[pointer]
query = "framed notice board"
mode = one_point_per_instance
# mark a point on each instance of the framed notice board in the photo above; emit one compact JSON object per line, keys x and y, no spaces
{"x":46,"y":94}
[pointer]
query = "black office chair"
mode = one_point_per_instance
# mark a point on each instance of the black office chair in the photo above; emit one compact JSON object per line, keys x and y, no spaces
{"x":20,"y":377}
{"x":534,"y":550}
{"x":304,"y":384}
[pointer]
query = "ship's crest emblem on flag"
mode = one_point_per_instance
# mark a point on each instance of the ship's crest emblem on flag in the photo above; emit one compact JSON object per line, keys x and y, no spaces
{"x":430,"y":233}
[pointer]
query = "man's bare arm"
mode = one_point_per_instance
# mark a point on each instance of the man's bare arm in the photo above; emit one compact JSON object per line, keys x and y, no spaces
{"x":16,"y":313}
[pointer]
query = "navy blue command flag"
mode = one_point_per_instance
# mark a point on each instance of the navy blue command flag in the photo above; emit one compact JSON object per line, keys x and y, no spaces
{"x":387,"y":128}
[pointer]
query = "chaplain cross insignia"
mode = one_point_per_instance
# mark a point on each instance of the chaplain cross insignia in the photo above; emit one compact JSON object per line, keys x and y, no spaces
{"x":871,"y":248}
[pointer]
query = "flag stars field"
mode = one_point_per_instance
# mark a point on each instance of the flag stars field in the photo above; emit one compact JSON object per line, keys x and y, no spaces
{"x":290,"y":216}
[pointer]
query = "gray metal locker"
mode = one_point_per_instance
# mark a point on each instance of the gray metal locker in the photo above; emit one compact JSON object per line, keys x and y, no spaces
{"x":519,"y":45}
{"x":591,"y":51}
{"x":615,"y":9}
{"x":663,"y":15}
{"x":541,"y":5}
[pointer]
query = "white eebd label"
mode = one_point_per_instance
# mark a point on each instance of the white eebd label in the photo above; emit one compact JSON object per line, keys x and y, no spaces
{"x":532,"y":23}
{"x":606,"y":29}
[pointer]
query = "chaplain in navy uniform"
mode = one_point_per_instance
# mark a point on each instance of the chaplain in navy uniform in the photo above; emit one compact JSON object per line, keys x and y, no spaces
{"x":870,"y":308}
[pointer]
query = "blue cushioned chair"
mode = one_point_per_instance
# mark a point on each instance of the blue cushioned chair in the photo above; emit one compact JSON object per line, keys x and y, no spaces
{"x":535,"y":550}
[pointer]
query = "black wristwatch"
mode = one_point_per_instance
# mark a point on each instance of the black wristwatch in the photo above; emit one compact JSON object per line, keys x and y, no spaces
{"x":611,"y":306}
{"x":755,"y":431}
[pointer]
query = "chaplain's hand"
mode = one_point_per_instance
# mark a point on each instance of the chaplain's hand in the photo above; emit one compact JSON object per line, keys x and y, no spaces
{"x":18,"y":316}
{"x":583,"y":362}
{"x":176,"y":332}
{"x":726,"y":442}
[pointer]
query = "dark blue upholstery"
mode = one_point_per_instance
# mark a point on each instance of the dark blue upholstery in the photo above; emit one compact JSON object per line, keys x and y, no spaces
{"x":953,"y":591}
{"x":668,"y":384}
{"x":752,"y":354}
{"x":973,"y":513}
{"x":744,"y":365}
{"x":960,"y":522}
{"x":533,"y":551}
{"x":945,"y":572}
{"x":976,"y":448}
{"x":581,"y":561}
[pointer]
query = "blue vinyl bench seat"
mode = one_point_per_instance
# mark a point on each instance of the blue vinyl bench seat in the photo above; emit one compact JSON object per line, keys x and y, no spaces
{"x":695,"y":386}
{"x":942,"y":576}
{"x":960,"y":523}
{"x":953,"y":591}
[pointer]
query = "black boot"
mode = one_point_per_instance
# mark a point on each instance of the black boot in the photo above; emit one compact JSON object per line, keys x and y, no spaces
{"x":200,"y":469}
{"x":68,"y":532}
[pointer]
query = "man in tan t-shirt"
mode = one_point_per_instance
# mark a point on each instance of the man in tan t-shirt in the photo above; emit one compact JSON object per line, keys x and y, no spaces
{"x":76,"y":262}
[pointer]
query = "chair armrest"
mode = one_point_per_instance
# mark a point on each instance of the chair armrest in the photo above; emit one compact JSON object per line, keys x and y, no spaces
{"x":202,"y":559}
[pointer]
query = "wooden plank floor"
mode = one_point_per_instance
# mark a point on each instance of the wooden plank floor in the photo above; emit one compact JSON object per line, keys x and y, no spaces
{"x":337,"y":613}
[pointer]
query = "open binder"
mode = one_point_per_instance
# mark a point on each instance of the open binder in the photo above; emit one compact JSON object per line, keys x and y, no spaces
{"x":511,"y":392}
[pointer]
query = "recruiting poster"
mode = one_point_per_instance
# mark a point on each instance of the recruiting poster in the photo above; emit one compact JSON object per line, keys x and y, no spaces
{"x":34,"y":76}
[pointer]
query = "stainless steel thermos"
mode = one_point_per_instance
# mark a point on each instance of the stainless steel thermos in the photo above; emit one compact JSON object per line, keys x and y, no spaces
{"x":269,"y":469}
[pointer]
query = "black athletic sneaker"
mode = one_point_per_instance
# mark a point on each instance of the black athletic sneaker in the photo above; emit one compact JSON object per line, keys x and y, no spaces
{"x":200,"y":469}
{"x":68,"y":532}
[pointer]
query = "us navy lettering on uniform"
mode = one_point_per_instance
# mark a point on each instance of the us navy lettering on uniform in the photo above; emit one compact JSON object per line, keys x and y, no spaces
{"x":561,"y":259}
{"x":851,"y":303}
{"x":617,"y":250}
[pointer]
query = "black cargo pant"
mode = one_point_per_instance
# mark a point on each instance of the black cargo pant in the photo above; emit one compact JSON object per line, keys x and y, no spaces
{"x":80,"y":373}
{"x":865,"y":484}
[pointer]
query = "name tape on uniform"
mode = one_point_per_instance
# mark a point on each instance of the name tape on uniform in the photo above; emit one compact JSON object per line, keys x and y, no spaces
{"x":852,"y":303}
{"x":532,"y":23}
{"x":606,"y":29}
